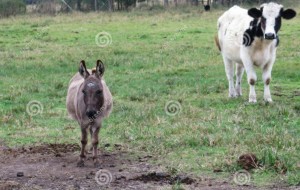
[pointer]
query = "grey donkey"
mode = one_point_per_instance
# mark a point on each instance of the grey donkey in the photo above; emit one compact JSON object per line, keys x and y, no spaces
{"x":89,"y":101}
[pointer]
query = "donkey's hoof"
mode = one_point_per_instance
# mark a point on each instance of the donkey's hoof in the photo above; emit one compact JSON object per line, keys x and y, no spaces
{"x":80,"y":164}
{"x":97,"y":164}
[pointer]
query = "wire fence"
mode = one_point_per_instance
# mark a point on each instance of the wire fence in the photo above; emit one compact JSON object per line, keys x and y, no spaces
{"x":14,"y":7}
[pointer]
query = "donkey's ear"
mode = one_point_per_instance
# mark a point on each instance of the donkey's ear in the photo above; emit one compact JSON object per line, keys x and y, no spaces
{"x":288,"y":14}
{"x":99,"y":68}
{"x":254,"y":13}
{"x":82,"y":70}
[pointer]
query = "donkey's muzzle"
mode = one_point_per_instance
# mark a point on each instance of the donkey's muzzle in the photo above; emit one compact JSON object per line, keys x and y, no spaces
{"x":91,"y":114}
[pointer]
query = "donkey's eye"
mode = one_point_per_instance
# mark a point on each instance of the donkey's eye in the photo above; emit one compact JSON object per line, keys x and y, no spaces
{"x":84,"y":92}
{"x":98,"y":92}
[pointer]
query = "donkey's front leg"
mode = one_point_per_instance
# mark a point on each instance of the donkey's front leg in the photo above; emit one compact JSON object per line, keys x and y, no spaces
{"x":94,"y":130}
{"x":83,"y":144}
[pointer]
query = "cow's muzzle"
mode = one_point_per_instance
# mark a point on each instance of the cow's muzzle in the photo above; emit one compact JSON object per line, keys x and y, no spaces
{"x":270,"y":36}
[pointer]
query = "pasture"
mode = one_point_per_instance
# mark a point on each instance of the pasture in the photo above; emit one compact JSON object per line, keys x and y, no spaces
{"x":171,"y":111}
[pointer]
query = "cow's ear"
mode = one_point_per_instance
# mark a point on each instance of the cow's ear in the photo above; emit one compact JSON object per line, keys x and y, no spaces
{"x":82,"y":70}
{"x":99,"y":68}
{"x":254,"y":12}
{"x":288,"y":14}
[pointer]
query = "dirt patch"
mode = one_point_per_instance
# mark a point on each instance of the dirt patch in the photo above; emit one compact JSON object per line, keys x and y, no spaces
{"x":165,"y":178}
{"x":53,"y":166}
{"x":55,"y":149}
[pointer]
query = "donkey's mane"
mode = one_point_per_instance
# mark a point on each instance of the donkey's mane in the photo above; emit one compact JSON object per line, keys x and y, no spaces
{"x":93,"y":71}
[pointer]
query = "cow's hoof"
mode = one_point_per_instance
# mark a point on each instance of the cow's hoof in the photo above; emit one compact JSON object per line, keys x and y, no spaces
{"x":238,"y":94}
{"x":80,"y":164}
{"x":232,"y":95}
{"x":252,"y":100}
{"x":268,"y":100}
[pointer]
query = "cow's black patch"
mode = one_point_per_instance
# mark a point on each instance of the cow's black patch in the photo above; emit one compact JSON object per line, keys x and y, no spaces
{"x":254,"y":13}
{"x":288,"y":14}
{"x":253,"y":31}
{"x":277,"y":24}
{"x":277,"y":42}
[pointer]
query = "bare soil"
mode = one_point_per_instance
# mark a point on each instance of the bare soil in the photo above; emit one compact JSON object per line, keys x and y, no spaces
{"x":53,"y":166}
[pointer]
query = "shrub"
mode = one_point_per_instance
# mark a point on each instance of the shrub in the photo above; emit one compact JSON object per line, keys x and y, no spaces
{"x":47,"y":7}
{"x":12,"y":7}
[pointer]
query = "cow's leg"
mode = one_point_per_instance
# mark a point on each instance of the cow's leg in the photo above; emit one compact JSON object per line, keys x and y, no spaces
{"x":251,"y":75}
{"x":83,"y":144}
{"x":239,"y":75}
{"x":94,"y":130}
{"x":229,"y":69}
{"x":267,"y":79}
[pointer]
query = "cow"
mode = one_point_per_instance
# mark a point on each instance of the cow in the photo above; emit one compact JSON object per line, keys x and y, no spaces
{"x":249,"y":38}
{"x":89,"y":101}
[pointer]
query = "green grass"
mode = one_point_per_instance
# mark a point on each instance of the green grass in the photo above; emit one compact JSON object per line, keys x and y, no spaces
{"x":154,"y":57}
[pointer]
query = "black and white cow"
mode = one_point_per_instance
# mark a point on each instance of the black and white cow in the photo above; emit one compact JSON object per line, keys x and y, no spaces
{"x":249,"y":38}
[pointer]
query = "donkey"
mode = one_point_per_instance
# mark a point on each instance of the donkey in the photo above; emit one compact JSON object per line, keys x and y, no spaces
{"x":88,"y":102}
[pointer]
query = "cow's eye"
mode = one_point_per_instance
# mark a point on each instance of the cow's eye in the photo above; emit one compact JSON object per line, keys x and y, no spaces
{"x":99,"y":92}
{"x":84,"y":92}
{"x":263,"y":22}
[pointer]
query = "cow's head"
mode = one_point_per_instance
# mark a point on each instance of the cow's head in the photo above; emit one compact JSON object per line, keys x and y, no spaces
{"x":92,"y":89}
{"x":270,"y":15}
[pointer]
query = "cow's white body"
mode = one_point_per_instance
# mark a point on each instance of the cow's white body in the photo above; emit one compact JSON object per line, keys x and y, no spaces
{"x":262,"y":53}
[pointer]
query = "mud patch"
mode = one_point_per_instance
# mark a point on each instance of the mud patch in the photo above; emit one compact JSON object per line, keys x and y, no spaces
{"x":53,"y":166}
{"x":7,"y":185}
{"x":164,"y":178}
{"x":44,"y":149}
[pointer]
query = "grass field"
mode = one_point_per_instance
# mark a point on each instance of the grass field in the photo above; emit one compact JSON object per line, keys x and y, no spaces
{"x":153,"y":58}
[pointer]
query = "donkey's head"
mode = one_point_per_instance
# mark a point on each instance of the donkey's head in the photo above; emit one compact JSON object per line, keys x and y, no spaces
{"x":92,"y":88}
